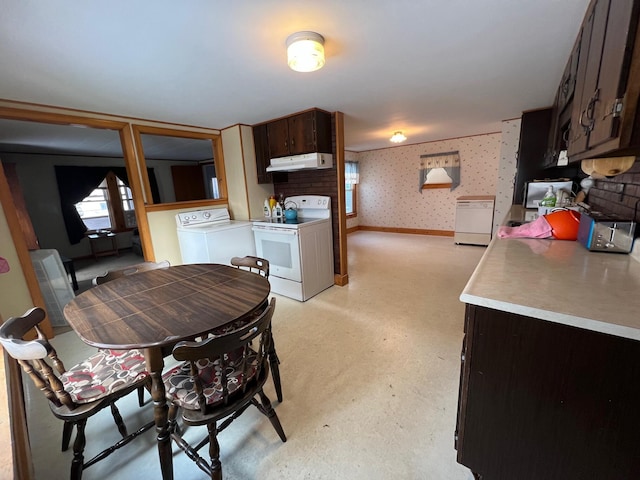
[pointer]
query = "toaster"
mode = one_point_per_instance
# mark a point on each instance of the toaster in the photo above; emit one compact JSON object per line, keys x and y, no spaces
{"x":606,"y":233}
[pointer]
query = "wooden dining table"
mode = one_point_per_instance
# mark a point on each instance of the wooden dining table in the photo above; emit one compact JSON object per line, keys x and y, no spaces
{"x":156,"y":309}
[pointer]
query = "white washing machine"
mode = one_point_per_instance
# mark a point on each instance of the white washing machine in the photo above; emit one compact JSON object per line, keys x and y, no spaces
{"x":474,"y":219}
{"x":210,"y":236}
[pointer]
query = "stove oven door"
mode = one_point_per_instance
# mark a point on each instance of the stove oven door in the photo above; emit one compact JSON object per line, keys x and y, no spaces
{"x":281,"y":247}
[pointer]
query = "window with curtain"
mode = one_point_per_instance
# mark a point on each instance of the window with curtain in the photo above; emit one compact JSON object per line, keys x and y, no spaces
{"x":440,"y":170}
{"x":75,"y":184}
{"x":106,"y":207}
{"x":351,"y":180}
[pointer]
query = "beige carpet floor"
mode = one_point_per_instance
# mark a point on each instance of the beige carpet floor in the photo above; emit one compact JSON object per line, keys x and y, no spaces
{"x":370,"y":377}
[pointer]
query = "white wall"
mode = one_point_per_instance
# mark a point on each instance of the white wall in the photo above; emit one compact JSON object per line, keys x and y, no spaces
{"x":389,"y":194}
{"x":15,"y":298}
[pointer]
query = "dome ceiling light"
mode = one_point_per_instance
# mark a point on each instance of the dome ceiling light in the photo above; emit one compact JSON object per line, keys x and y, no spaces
{"x":398,"y":137}
{"x":305,"y":51}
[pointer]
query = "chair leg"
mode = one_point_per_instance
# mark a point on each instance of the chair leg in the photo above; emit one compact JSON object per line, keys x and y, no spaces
{"x":271,"y":415}
{"x":214,"y":452}
{"x":274,"y":361}
{"x":172,"y":419}
{"x":67,"y":430}
{"x":78,"y":451}
{"x":119,"y":421}
{"x":141,"y":396}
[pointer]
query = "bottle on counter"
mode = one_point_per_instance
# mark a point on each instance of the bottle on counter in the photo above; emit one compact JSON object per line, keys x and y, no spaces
{"x":267,"y":209}
{"x":276,"y":211}
{"x":272,"y":202}
{"x":549,"y":199}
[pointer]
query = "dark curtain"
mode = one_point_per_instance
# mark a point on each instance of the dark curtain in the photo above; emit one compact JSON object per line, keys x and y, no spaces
{"x":76,"y":183}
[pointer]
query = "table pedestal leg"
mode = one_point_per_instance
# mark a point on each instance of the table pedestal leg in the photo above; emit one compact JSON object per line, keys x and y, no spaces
{"x":155,"y":365}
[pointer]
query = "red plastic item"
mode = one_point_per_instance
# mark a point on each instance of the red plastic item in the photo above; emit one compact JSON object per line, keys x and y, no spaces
{"x":564,"y":224}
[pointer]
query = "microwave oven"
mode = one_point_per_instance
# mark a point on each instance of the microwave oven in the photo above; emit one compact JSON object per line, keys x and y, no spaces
{"x":536,"y":190}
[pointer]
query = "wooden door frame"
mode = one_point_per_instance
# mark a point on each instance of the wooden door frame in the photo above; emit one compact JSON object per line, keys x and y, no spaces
{"x":22,"y":457}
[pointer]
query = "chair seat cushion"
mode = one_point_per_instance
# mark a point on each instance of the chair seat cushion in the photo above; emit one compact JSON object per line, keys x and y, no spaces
{"x":180,"y":388}
{"x":103,"y":373}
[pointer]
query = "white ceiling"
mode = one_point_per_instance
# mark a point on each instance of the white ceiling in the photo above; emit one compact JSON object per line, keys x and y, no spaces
{"x":435,"y":69}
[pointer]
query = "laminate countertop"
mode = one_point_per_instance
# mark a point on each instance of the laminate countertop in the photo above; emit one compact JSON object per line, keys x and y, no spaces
{"x":559,"y":281}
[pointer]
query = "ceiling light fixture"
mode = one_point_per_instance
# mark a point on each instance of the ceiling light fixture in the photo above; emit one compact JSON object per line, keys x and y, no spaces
{"x":305,"y":51}
{"x":398,"y":137}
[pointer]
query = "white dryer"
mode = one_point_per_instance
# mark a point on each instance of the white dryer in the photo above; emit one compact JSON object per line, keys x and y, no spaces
{"x":210,"y":236}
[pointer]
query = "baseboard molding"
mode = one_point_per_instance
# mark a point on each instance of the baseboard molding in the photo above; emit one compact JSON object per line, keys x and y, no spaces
{"x":413,"y":231}
{"x":340,"y":279}
{"x":352,"y":229}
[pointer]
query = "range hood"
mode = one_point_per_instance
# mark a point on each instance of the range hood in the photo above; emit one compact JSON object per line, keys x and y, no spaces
{"x":306,"y":161}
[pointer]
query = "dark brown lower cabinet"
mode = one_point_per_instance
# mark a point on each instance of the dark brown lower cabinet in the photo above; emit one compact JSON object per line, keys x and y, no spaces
{"x":540,"y":400}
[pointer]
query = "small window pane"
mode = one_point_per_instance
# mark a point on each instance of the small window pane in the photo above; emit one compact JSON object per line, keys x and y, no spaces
{"x":349,"y":201}
{"x":93,"y":209}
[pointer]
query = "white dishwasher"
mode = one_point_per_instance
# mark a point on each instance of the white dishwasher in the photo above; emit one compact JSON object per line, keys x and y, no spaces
{"x":474,"y":219}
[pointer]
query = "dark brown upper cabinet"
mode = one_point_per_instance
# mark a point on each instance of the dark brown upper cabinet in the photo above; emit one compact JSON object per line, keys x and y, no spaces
{"x":603,"y":114}
{"x":261,"y":143}
{"x":304,"y":132}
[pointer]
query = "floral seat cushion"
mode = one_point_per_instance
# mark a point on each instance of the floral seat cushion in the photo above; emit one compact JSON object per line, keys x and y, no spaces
{"x":179,"y":386}
{"x":104,"y":372}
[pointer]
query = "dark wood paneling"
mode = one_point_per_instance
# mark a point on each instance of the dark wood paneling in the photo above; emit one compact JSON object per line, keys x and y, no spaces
{"x":548,"y":401}
{"x":316,"y":182}
{"x":188,"y":182}
{"x":534,"y":135}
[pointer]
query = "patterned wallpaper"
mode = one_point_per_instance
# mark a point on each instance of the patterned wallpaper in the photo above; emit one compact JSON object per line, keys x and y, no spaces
{"x":506,"y":170}
{"x":389,"y":196}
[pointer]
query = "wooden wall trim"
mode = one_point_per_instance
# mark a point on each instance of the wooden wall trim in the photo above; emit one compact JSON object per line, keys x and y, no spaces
{"x":21,"y":249}
{"x":59,"y":118}
{"x":21,"y":449}
{"x":86,"y":116}
{"x":340,"y":280}
{"x":342,"y":215}
{"x":415,"y":231}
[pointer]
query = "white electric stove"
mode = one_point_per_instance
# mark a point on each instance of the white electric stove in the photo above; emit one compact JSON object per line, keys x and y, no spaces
{"x":300,"y":252}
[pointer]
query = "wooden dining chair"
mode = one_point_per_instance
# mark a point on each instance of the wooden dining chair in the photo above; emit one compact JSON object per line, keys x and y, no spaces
{"x":220,"y":377}
{"x":130,"y":270}
{"x":261,"y":266}
{"x":80,"y":392}
{"x":252,"y":264}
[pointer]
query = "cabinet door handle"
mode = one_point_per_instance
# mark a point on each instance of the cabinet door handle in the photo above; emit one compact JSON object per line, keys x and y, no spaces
{"x":589,"y":112}
{"x":462,"y":356}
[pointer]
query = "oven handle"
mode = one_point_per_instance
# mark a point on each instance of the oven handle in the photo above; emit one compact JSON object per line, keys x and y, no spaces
{"x":276,"y":230}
